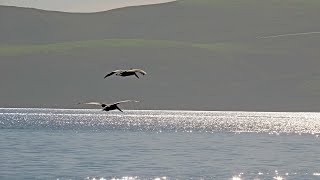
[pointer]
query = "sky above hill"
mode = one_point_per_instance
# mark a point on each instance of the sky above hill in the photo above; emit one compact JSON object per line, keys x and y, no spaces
{"x":78,"y":5}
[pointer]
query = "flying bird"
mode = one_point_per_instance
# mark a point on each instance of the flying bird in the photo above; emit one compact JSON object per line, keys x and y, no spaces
{"x":109,"y":107}
{"x":124,"y":73}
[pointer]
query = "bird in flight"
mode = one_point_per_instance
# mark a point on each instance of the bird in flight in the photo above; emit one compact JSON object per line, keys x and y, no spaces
{"x":109,"y":107}
{"x":124,"y":73}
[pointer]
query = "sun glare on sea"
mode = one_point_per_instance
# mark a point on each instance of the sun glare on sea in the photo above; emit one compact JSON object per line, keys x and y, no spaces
{"x":278,"y":178}
{"x":236,"y":178}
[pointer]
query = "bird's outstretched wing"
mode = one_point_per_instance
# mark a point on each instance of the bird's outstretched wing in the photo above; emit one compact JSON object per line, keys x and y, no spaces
{"x":119,"y":102}
{"x":139,"y":71}
{"x":95,"y":103}
{"x":111,"y":73}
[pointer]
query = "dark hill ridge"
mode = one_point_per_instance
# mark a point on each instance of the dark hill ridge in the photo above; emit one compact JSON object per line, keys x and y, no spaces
{"x":199,"y":55}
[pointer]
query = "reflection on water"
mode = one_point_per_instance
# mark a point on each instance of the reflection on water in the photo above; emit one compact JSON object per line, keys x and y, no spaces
{"x":125,"y":178}
{"x":236,"y":178}
{"x":158,"y":145}
{"x":278,"y":178}
{"x":177,"y":121}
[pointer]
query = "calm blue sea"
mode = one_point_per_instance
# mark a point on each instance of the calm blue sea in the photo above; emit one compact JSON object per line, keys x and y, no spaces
{"x":158,"y":145}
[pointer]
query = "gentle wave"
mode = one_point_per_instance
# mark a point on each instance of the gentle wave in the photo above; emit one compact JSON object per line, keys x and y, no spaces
{"x":158,"y":120}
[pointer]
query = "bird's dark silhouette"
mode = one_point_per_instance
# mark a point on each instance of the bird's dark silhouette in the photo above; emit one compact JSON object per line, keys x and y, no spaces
{"x":124,"y":73}
{"x":109,"y":107}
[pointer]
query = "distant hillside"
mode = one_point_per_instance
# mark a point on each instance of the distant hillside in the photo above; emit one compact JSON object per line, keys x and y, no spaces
{"x":184,"y":20}
{"x":199,"y":55}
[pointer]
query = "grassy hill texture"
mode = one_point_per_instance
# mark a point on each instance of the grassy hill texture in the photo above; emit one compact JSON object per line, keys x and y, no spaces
{"x":199,"y":55}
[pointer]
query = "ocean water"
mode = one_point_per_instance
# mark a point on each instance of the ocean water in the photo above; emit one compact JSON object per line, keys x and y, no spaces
{"x":158,"y":145}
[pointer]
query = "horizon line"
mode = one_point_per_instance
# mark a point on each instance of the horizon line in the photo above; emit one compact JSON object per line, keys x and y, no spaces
{"x":170,"y":110}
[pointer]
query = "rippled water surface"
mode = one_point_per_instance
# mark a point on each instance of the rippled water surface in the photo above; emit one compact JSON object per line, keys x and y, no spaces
{"x":91,"y":144}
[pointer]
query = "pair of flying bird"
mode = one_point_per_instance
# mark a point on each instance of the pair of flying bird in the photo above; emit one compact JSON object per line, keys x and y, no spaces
{"x":123,"y":73}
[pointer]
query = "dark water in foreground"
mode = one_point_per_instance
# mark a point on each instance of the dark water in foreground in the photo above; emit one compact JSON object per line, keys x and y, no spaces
{"x":157,"y":145}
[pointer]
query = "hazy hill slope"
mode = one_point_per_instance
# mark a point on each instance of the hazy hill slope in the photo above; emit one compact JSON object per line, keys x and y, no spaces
{"x":178,"y":78}
{"x":184,"y":20}
{"x":199,"y":54}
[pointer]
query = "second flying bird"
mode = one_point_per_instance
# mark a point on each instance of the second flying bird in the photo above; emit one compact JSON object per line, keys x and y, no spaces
{"x":124,"y":73}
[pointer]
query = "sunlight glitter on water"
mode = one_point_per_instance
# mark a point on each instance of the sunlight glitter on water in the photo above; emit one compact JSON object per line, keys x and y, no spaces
{"x":154,"y":145}
{"x":161,"y":121}
{"x":126,"y":178}
{"x":278,"y":178}
{"x":236,"y":178}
